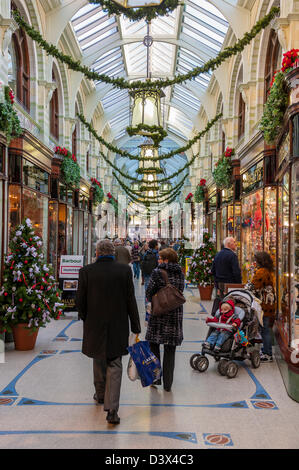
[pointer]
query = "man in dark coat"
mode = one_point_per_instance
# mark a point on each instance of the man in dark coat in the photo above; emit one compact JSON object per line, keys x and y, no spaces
{"x":105,"y":302}
{"x":226,"y":269}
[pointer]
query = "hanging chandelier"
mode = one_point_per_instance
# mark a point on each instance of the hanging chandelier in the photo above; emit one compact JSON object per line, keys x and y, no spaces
{"x":138,"y":3}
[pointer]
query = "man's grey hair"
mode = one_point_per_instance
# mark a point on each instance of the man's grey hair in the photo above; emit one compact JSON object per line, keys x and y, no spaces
{"x":105,"y":247}
{"x":117,"y":242}
{"x":227,"y":241}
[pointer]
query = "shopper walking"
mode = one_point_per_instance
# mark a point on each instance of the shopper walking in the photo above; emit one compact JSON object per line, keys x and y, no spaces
{"x":122,"y":254}
{"x":262,"y":286}
{"x":225,"y":268}
{"x":106,"y":303}
{"x":135,"y":255}
{"x":150,"y":261}
{"x":166,"y":329}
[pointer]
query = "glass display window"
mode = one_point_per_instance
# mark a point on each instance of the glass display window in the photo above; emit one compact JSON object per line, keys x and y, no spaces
{"x":15,"y":168}
{"x":62,"y":192}
{"x":1,"y":219}
{"x":69,"y":230}
{"x":213,"y":226}
{"x":35,"y":178}
{"x":294,"y":267}
{"x":35,"y":207}
{"x":14,"y":206}
{"x":270,"y":199}
{"x":252,"y":232}
{"x":283,"y":284}
{"x":61,"y":244}
{"x":2,"y":158}
{"x":85,"y":237}
{"x":53,"y":233}
{"x":237,"y":227}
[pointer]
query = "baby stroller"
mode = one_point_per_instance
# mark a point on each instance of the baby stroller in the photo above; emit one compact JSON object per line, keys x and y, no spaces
{"x":231,"y":349}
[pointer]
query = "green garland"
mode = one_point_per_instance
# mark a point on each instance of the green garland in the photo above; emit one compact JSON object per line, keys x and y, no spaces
{"x":136,"y":180}
{"x":165,"y":156}
{"x":128,"y":190}
{"x":98,"y":193}
{"x":199,"y":195}
{"x":157,"y":133}
{"x":147,"y":13}
{"x":121,"y":83}
{"x":274,"y":108}
{"x":9,"y":120}
{"x":70,"y":169}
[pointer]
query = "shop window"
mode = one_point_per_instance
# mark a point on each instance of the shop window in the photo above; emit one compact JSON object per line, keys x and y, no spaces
{"x":241,"y":117}
{"x":69,"y":233}
{"x":14,"y":206}
{"x":2,"y":158}
{"x":35,"y":178}
{"x":35,"y":207}
{"x":15,"y":168}
{"x":53,"y":233}
{"x":295,"y":258}
{"x":272,"y":61}
{"x":54,"y":111}
{"x":22,"y":65}
{"x":61,"y":231}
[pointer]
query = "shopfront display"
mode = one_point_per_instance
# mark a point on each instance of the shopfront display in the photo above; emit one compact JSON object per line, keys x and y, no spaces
{"x":231,"y":218}
{"x":212,"y":216}
{"x":258,"y":218}
{"x":2,"y":201}
{"x":28,"y":195}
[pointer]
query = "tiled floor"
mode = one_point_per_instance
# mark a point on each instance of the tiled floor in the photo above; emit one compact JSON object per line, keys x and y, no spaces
{"x":46,"y":399}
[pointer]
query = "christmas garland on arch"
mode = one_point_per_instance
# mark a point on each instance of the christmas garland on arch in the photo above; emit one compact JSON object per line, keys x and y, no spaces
{"x":147,"y":13}
{"x":165,"y":156}
{"x":121,"y":83}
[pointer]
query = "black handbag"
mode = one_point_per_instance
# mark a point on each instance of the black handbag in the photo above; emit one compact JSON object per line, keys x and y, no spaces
{"x":168,"y":298}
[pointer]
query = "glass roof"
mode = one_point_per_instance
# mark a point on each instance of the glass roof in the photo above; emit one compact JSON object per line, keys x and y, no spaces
{"x":185,"y":39}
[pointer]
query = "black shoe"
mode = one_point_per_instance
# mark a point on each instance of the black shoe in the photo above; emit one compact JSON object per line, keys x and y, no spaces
{"x":112,"y":417}
{"x":167,"y":389}
{"x":100,"y":401}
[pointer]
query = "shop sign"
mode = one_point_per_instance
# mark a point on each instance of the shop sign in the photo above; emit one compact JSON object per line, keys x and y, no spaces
{"x":253,"y":178}
{"x":70,"y":266}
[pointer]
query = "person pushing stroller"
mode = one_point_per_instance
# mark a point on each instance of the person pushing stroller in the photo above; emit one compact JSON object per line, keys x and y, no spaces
{"x":227,"y":313}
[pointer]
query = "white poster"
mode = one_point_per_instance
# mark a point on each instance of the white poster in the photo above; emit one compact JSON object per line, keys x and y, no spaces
{"x":70,"y":266}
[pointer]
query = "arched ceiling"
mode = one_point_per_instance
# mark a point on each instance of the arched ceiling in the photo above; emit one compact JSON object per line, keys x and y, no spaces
{"x":188,"y":37}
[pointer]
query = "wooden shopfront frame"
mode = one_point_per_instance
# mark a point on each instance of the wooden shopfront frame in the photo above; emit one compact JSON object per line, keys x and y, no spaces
{"x":3,"y":201}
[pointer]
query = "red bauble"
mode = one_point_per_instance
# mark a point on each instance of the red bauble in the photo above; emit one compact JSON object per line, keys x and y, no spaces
{"x":20,"y":300}
{"x":38,"y":309}
{"x":5,"y":294}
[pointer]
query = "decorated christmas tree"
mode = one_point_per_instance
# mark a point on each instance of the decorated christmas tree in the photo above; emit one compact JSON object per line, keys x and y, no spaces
{"x":29,"y":293}
{"x":200,"y":271}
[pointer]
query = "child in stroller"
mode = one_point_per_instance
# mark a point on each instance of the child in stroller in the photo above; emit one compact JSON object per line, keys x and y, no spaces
{"x":228,"y":314}
{"x":242,"y":320}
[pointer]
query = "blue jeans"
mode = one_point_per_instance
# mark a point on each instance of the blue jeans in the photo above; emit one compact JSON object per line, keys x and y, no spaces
{"x":136,"y":269}
{"x":267,"y":337}
{"x":217,"y":338}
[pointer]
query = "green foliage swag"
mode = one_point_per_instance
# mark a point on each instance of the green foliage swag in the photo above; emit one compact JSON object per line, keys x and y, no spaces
{"x":29,"y":293}
{"x":9,"y":120}
{"x":70,"y":169}
{"x":200,"y":270}
{"x":98,"y":193}
{"x":147,"y":13}
{"x":157,"y":133}
{"x":274,"y":109}
{"x":223,"y":171}
{"x":121,"y":83}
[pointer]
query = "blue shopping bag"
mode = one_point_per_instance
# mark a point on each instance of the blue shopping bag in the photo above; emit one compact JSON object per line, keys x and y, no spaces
{"x":148,"y":366}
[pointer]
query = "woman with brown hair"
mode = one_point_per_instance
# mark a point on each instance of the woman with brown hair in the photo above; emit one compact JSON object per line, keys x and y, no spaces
{"x":166,"y":329}
{"x":262,"y":285}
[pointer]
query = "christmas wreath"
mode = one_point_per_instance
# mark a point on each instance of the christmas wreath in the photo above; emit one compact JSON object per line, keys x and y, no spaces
{"x":223,"y":171}
{"x":9,"y":120}
{"x":29,"y":292}
{"x":69,"y":168}
{"x":199,"y":195}
{"x":200,"y":270}
{"x":98,"y":193}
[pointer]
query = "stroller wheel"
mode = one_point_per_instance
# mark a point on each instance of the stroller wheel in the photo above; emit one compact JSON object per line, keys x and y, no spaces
{"x":201,"y":364}
{"x":231,"y":369}
{"x":192,"y":360}
{"x":222,"y":366}
{"x":255,"y":359}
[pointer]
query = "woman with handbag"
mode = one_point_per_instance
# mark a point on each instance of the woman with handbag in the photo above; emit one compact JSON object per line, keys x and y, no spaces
{"x":166,"y":328}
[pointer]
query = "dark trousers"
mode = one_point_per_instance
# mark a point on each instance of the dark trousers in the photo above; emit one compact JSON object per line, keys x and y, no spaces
{"x":107,"y":376}
{"x":168,"y":362}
